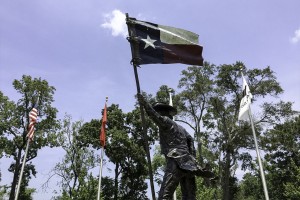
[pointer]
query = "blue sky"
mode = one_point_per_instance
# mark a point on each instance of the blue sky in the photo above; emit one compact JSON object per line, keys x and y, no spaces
{"x":80,"y":48}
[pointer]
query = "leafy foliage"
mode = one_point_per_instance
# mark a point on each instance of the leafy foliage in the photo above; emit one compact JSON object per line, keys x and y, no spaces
{"x":208,"y":103}
{"x":75,"y":168}
{"x":125,"y":150}
{"x":251,"y":187}
{"x":14,"y":121}
{"x":283,"y":156}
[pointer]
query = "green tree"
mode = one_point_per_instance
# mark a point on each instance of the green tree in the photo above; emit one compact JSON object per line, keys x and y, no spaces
{"x":221,"y":118}
{"x":250,"y":188}
{"x":292,"y":187}
{"x":158,"y":163}
{"x":212,"y":94}
{"x":13,"y":126}
{"x":124,"y":148}
{"x":126,"y":151}
{"x":79,"y":159}
{"x":283,"y":157}
{"x":197,"y":88}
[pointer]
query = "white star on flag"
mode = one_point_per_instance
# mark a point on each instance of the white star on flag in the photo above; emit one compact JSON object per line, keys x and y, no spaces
{"x":149,"y":42}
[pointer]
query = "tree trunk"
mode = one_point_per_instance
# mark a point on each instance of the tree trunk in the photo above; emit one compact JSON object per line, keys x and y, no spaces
{"x":116,"y":181}
{"x":226,"y":193}
{"x":200,"y":152}
{"x":150,"y":169}
{"x":16,"y":175}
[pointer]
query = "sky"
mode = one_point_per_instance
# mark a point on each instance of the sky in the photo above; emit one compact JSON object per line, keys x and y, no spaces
{"x":80,"y":48}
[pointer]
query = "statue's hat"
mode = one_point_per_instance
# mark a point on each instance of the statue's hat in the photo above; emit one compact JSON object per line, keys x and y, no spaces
{"x":159,"y":106}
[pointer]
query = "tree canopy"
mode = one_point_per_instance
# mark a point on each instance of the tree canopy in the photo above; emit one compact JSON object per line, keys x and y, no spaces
{"x":14,"y":122}
{"x":207,"y":100}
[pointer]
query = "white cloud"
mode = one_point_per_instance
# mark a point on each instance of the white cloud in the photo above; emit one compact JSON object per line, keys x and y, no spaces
{"x":296,"y":37}
{"x":116,"y":22}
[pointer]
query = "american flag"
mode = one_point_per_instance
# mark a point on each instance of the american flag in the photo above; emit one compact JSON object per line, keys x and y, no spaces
{"x":32,"y":121}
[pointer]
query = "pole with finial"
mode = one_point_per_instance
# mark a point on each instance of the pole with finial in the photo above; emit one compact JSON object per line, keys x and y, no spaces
{"x":102,"y":135}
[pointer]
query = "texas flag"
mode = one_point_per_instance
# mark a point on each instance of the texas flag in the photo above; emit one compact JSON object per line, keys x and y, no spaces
{"x":152,"y":43}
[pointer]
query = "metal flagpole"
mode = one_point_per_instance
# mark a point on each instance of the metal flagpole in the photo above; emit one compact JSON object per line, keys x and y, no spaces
{"x":145,"y":136}
{"x":102,"y":149}
{"x":24,"y":160}
{"x":258,"y":157}
{"x":171,"y":104}
{"x":100,"y":174}
{"x":22,"y":170}
{"x":144,"y":131}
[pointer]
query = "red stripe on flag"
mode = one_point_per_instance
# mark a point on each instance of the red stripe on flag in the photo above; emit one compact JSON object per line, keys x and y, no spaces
{"x":186,"y":54}
{"x":32,"y":121}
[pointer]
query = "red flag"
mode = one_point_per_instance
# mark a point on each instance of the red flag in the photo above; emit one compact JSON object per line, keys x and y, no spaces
{"x":102,"y":131}
{"x":32,"y":121}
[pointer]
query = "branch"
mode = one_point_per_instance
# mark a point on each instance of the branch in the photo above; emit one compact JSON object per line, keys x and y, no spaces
{"x":46,"y":184}
{"x":178,"y":120}
{"x":193,"y":110}
{"x":12,"y":132}
{"x":31,"y":158}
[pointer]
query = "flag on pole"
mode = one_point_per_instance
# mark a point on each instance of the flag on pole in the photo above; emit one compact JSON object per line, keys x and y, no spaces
{"x":152,"y":43}
{"x":245,"y":102}
{"x":32,"y":122}
{"x":102,"y":130}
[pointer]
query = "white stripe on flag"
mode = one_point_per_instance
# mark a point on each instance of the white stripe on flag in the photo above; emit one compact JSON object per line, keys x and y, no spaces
{"x":32,"y":121}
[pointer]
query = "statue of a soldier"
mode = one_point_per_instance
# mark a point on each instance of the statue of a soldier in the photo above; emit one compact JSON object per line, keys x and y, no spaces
{"x":177,"y":146}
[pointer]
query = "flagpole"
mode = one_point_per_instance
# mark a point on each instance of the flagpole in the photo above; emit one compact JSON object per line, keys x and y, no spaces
{"x":246,"y":105}
{"x":102,"y":151}
{"x":24,"y":160}
{"x":100,"y":174}
{"x":22,"y":169}
{"x":171,"y":104}
{"x":145,"y":136}
{"x":258,"y":157}
{"x":144,"y":133}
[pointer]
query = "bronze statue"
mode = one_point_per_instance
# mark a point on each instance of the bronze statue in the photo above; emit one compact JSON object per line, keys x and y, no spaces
{"x":177,"y":145}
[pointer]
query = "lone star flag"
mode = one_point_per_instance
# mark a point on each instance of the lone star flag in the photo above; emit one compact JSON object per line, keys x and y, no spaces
{"x":32,"y":121}
{"x":102,"y":131}
{"x":245,"y":102}
{"x":153,"y":43}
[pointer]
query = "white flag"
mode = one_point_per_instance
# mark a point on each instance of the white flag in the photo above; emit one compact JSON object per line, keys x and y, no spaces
{"x":170,"y":95}
{"x":245,"y":102}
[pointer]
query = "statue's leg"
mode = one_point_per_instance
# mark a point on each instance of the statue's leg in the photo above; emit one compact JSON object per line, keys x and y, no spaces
{"x":188,"y":187}
{"x":170,"y":181}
